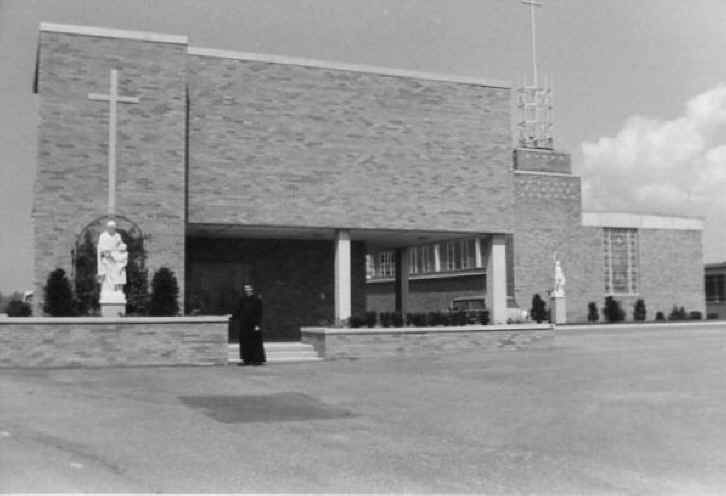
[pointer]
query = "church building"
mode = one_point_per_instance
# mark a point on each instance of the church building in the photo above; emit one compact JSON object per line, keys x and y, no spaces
{"x":333,"y":188}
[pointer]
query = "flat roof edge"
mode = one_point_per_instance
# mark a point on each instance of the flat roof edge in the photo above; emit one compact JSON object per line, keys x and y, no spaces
{"x":113,"y":33}
{"x":641,"y":221}
{"x":344,"y":66}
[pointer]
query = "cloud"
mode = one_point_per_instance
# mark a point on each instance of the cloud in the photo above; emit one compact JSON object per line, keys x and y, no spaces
{"x":675,"y":167}
{"x":662,"y":166}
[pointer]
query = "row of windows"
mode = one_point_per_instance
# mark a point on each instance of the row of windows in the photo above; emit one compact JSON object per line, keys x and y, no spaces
{"x":448,"y":256}
{"x":715,"y":288}
{"x":620,"y":267}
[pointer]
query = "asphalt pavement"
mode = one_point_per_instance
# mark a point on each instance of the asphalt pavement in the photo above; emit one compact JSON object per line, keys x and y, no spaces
{"x":605,"y":411}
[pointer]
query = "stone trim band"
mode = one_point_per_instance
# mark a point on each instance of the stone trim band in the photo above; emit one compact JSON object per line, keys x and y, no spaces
{"x":635,"y":221}
{"x":114,"y":33}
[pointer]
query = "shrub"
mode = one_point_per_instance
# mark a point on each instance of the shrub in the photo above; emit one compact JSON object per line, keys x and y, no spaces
{"x":458,"y":318}
{"x":386,"y":319}
{"x":712,"y":316}
{"x":481,"y":317}
{"x":397,"y":319}
{"x":370,"y":319}
{"x":677,"y":313}
{"x":164,"y":293}
{"x":539,"y":309}
{"x":86,"y":287}
{"x":612,"y":311}
{"x":659,"y":316}
{"x":434,"y":318}
{"x":137,"y":292}
{"x":695,"y":315}
{"x":356,"y":321}
{"x":416,"y":319}
{"x":639,"y":310}
{"x":58,"y":295}
{"x":17,"y":308}
{"x":592,"y":313}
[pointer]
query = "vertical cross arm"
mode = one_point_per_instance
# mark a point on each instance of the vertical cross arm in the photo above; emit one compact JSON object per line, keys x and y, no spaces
{"x":113,"y":99}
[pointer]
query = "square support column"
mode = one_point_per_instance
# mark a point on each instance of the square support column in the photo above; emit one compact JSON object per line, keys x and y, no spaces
{"x":342,"y":276}
{"x":401,"y":285}
{"x":497,"y":280}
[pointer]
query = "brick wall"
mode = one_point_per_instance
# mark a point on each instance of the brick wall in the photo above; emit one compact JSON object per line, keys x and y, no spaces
{"x":671,"y":272}
{"x":294,"y":278}
{"x":71,"y":187}
{"x":96,"y":342}
{"x":548,"y":221}
{"x":280,"y":144}
{"x":360,"y":343}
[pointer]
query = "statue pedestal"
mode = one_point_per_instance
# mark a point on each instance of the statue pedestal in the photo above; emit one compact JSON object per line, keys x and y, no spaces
{"x":558,"y":308}
{"x":113,"y":303}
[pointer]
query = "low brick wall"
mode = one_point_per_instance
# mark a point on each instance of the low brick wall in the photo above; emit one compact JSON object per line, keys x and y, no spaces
{"x":377,"y":342}
{"x":102,"y":342}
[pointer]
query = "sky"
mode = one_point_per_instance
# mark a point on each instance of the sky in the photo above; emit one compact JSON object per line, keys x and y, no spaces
{"x":639,"y":87}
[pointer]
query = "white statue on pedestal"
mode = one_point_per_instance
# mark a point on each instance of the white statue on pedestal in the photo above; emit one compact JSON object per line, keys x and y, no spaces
{"x":112,"y":260}
{"x":559,"y":290}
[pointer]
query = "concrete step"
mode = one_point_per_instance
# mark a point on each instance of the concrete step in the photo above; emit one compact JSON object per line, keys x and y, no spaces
{"x":275,"y":359}
{"x":279,"y":352}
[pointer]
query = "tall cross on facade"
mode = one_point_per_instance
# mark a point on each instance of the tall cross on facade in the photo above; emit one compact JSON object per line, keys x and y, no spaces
{"x":532,"y":4}
{"x":113,"y":98}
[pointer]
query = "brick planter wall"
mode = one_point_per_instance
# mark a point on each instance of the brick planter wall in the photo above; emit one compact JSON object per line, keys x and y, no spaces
{"x":98,"y":342}
{"x":406,"y":341}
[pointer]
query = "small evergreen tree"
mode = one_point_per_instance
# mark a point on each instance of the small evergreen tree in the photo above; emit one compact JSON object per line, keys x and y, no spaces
{"x":137,"y":275}
{"x":639,"y":310}
{"x":164,"y":294}
{"x":539,"y":309}
{"x":86,"y":282}
{"x":592,"y":313}
{"x":58,"y":295}
{"x":137,"y":290}
{"x":612,"y":311}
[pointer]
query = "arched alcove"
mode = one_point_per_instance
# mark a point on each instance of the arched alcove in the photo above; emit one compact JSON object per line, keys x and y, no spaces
{"x":85,"y":266}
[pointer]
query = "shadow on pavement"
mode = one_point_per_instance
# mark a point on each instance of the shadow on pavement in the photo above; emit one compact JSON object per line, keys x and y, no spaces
{"x":276,"y":407}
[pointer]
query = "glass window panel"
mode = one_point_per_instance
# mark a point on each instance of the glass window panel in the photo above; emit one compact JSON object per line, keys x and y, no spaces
{"x":620,"y":260}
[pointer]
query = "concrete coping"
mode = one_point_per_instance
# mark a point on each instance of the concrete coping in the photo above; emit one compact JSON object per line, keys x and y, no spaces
{"x":640,"y":221}
{"x":103,"y":32}
{"x":197,"y":319}
{"x":343,"y":66}
{"x":646,"y":325}
{"x":426,"y":330}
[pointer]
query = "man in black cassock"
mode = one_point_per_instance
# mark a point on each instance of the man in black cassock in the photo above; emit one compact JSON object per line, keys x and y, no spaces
{"x":249,"y":313}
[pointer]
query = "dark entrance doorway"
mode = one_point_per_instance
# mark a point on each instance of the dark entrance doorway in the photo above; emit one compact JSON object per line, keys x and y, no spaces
{"x":294,"y":278}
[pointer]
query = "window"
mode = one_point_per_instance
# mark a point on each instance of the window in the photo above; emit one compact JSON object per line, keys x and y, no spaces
{"x":422,"y":259}
{"x":716,"y":288}
{"x":459,"y":254}
{"x":448,"y":256}
{"x":620,"y":250}
{"x":381,"y":265}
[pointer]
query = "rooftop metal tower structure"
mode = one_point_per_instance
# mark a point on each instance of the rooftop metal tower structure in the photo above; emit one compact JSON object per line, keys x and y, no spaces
{"x":534,"y":100}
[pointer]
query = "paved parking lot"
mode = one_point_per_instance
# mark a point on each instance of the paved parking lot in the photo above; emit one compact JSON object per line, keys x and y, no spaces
{"x":606,"y":411}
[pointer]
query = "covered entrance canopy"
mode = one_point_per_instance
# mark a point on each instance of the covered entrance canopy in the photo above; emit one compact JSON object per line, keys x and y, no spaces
{"x":318,"y":274}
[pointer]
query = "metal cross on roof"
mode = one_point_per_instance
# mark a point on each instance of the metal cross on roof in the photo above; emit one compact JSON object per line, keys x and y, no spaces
{"x":532,"y":4}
